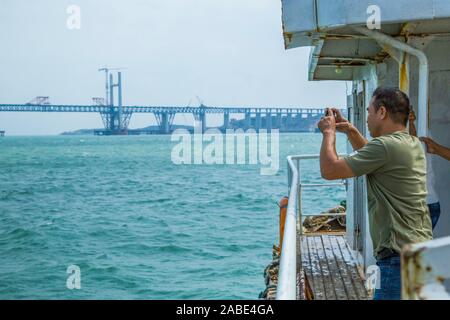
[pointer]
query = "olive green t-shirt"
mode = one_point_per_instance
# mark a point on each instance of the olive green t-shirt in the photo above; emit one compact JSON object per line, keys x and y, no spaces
{"x":395,"y":166}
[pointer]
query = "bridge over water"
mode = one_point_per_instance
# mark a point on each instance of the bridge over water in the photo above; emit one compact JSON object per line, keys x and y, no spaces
{"x":116,"y":118}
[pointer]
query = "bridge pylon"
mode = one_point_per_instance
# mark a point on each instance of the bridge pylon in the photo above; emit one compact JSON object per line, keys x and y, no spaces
{"x":200,"y":117}
{"x":115,"y":119}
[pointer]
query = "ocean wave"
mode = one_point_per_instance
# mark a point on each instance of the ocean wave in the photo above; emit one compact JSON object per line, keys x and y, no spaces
{"x":151,"y":249}
{"x":232,"y":248}
{"x":10,"y":194}
{"x":150,"y":201}
{"x":210,"y":255}
{"x":171,"y":248}
{"x":21,"y":233}
{"x":106,"y":269}
{"x":209,"y":238}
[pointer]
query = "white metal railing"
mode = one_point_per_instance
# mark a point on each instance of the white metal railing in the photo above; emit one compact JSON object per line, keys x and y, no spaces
{"x":287,"y":274}
{"x":426,"y":270}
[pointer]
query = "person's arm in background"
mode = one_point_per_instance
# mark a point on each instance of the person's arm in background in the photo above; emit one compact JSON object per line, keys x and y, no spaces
{"x":356,"y":139}
{"x":432,"y":146}
{"x":435,"y":148}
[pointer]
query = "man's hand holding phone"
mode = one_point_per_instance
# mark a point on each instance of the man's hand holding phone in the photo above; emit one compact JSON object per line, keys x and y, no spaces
{"x":327,"y":123}
{"x":342,"y":124}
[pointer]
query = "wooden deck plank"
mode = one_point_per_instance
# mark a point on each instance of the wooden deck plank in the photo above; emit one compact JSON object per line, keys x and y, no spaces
{"x":345,"y":272}
{"x":331,"y":270}
{"x":314,"y":270}
{"x":305,"y":258}
{"x":337,"y":274}
{"x":326,"y":273}
{"x":353,"y":268}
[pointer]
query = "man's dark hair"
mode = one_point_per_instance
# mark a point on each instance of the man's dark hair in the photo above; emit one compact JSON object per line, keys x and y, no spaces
{"x":395,"y":101}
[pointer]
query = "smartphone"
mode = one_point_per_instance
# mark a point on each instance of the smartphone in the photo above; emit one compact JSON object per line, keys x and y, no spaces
{"x":329,"y":112}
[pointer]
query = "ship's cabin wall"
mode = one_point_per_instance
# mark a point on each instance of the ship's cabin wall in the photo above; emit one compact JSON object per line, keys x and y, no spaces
{"x":438,"y":120}
{"x":386,"y":74}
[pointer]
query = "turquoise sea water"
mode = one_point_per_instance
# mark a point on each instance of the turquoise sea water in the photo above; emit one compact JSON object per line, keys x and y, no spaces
{"x":137,"y":225}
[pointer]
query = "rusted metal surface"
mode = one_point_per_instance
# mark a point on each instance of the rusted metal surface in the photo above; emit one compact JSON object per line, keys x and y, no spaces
{"x":302,"y":282}
{"x":404,"y":73}
{"x":288,"y":36}
{"x":331,"y":221}
{"x":330,"y":269}
{"x":426,"y":270}
{"x":271,"y":276}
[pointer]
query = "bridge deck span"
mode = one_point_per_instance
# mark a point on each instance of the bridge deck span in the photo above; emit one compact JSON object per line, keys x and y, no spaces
{"x":152,"y":109}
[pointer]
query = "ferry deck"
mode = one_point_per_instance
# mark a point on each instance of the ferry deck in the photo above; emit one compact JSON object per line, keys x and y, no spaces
{"x":409,"y":50}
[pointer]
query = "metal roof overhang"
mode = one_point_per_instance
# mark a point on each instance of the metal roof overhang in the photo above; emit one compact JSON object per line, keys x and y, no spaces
{"x":338,"y":50}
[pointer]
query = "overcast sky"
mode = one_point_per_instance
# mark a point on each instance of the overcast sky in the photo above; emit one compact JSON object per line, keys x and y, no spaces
{"x":227,"y":52}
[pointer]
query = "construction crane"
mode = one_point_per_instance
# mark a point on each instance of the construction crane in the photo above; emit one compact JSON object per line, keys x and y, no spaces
{"x":107,"y":70}
{"x":41,"y":100}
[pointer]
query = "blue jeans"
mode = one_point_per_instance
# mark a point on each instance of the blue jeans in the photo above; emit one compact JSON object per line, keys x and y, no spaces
{"x":390,"y":279}
{"x":435,"y":212}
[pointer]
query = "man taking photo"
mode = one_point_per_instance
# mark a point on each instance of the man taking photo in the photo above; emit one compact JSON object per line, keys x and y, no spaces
{"x":395,"y":168}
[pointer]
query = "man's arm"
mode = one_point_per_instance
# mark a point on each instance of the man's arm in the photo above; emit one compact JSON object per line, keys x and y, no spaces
{"x":356,"y":139}
{"x":435,"y":148}
{"x":331,"y":167}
